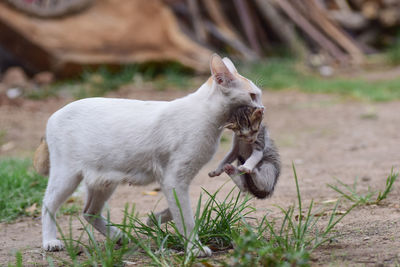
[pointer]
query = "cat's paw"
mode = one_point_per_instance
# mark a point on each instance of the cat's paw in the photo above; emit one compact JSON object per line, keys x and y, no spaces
{"x":244,"y":169}
{"x":217,"y":172}
{"x":202,"y":252}
{"x":230,"y":169}
{"x":53,"y":245}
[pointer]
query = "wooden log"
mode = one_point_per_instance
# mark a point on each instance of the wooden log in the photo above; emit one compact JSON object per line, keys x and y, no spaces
{"x":336,"y":34}
{"x":248,"y":24}
{"x":348,"y":19}
{"x":311,"y":31}
{"x":234,"y":43}
{"x":370,"y":9}
{"x":389,"y":16}
{"x":197,"y":21}
{"x":131,"y":33}
{"x":214,"y":9}
{"x":281,"y":27}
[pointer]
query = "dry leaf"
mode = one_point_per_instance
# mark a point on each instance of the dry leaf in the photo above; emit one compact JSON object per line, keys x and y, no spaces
{"x":32,"y":209}
{"x":150,"y":193}
{"x":329,"y":201}
{"x":338,"y":212}
{"x":72,"y":199}
{"x":207,"y":264}
{"x":297,"y":217}
{"x":7,"y":146}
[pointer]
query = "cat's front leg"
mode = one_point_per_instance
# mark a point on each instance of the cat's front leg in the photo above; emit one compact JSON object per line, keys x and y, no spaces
{"x":182,"y":214}
{"x":251,"y":162}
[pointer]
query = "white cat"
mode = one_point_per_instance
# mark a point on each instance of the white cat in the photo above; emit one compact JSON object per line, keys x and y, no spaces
{"x":104,"y":142}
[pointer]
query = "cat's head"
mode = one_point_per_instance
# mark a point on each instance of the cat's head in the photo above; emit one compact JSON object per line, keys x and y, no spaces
{"x":235,"y":89}
{"x":245,"y":123}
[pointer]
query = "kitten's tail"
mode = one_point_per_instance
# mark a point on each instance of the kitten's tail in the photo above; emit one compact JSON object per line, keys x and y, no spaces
{"x":41,"y":161}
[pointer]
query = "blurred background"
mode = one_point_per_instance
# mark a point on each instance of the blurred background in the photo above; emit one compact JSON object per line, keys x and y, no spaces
{"x":281,"y":44}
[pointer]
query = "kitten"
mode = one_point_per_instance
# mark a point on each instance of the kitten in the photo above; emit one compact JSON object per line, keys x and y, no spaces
{"x":104,"y":142}
{"x":258,"y":158}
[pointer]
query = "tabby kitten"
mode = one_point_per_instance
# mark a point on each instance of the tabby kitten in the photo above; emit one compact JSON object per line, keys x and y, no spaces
{"x":258,"y":158}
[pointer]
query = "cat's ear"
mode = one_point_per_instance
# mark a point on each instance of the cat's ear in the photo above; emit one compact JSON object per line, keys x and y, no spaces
{"x":229,"y":64}
{"x":220,"y":72}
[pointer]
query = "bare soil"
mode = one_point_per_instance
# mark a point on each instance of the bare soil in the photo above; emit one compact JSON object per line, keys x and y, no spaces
{"x":325,"y":136}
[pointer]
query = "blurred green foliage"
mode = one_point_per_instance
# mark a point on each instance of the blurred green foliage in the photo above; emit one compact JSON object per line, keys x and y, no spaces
{"x":283,"y":74}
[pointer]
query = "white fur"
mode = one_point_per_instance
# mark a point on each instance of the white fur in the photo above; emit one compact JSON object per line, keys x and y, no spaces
{"x":105,"y":142}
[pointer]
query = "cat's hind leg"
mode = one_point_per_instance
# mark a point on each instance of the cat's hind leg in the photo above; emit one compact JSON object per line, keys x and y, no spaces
{"x":236,"y":176}
{"x":95,"y":200}
{"x":162,"y":216}
{"x":264,"y":178}
{"x":62,"y":183}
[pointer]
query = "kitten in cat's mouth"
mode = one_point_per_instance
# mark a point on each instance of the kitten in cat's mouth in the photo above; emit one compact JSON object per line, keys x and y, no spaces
{"x":258,"y":159}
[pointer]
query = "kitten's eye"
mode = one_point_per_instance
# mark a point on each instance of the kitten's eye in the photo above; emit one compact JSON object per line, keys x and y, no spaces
{"x":253,"y":96}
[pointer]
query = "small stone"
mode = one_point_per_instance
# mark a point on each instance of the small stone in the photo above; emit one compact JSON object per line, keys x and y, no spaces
{"x":366,"y":179}
{"x":15,"y":77}
{"x":366,"y":238}
{"x":14,"y":93}
{"x":43,"y":78}
{"x":326,"y":71}
{"x":7,"y":146}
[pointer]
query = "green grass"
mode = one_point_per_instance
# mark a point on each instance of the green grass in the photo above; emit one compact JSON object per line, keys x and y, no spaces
{"x":18,"y":260}
{"x":353,"y":195}
{"x":289,"y":242}
{"x":282,"y":74}
{"x":100,"y":81}
{"x":393,"y":50}
{"x":273,"y":73}
{"x":222,"y":224}
{"x":20,"y":188}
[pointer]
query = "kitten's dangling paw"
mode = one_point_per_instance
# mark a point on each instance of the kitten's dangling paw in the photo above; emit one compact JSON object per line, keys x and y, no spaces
{"x":243,"y":168}
{"x":217,"y":172}
{"x":230,"y":169}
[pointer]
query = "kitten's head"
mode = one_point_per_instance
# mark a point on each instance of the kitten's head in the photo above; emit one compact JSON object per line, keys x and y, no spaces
{"x":245,"y":123}
{"x":235,"y":89}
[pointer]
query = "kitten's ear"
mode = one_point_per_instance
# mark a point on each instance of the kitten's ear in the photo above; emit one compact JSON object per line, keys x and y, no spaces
{"x":220,"y":72}
{"x":230,"y":126}
{"x":229,"y":64}
{"x":258,"y":113}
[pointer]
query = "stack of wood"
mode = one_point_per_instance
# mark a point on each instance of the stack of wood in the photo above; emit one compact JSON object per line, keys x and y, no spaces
{"x":341,"y":31}
{"x":107,"y":32}
{"x":45,"y":35}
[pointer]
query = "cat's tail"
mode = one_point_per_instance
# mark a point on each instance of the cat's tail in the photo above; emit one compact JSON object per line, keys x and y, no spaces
{"x":41,"y":161}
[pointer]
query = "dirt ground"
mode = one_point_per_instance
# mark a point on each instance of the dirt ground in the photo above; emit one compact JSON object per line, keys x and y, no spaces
{"x":325,"y":136}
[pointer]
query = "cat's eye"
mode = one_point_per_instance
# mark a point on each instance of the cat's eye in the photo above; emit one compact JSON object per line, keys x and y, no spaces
{"x":253,"y":96}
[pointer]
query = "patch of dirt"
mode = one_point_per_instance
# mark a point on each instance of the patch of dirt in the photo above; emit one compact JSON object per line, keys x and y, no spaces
{"x":325,"y":136}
